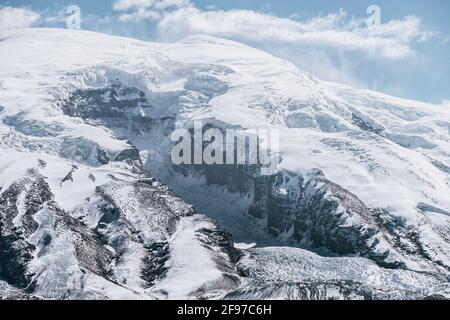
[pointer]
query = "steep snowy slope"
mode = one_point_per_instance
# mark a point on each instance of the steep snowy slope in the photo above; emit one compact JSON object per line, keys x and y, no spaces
{"x":85,"y":117}
{"x":124,"y":235}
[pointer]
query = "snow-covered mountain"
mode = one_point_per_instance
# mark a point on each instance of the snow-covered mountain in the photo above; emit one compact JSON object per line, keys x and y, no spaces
{"x":92,"y":207}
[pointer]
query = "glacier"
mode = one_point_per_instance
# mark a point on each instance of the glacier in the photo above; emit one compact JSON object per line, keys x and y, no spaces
{"x":91,"y":206}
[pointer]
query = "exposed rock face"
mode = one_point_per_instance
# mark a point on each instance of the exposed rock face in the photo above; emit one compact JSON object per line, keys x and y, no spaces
{"x":119,"y":239}
{"x":311,"y":210}
{"x":271,"y":273}
{"x":8,"y":292}
{"x":31,"y":195}
{"x":315,"y":290}
{"x":322,"y":214}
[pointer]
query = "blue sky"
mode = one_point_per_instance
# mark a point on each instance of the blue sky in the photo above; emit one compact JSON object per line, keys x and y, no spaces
{"x":407,"y":55}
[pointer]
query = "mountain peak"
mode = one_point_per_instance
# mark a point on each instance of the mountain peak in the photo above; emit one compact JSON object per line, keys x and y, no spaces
{"x":86,"y":175}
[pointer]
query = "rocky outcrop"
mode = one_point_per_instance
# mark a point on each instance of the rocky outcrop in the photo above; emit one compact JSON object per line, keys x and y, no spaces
{"x":310,"y":210}
{"x":322,"y":215}
{"x":118,"y":240}
{"x":292,"y":273}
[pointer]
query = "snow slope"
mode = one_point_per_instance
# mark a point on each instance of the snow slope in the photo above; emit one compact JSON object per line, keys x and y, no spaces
{"x":408,"y":138}
{"x":362,"y":173}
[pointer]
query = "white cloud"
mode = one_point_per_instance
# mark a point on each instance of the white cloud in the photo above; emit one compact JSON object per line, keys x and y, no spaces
{"x":180,"y":18}
{"x":391,"y":40}
{"x":12,"y":18}
{"x":122,"y":5}
{"x":139,"y":15}
{"x":139,"y":10}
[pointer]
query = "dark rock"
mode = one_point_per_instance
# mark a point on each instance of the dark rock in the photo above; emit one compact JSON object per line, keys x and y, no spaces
{"x":102,"y":156}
